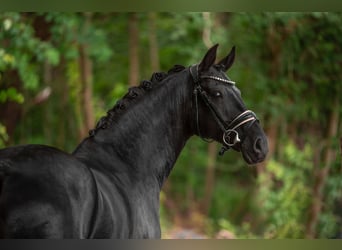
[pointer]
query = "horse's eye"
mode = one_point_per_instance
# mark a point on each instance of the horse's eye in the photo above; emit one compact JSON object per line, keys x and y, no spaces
{"x":218,"y":94}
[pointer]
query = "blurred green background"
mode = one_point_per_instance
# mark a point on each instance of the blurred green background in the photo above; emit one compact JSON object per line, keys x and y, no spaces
{"x":60,"y":72}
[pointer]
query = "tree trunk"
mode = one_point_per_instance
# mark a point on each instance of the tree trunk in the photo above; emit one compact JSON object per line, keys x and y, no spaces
{"x":133,"y":77}
{"x":341,"y":153}
{"x":154,"y":51}
{"x":271,"y":125}
{"x":275,"y":47}
{"x":206,"y":33}
{"x":212,"y":147}
{"x":62,"y":88}
{"x":11,"y":112}
{"x":323,"y":173}
{"x":86,"y":78}
{"x":209,"y":178}
{"x":47,"y":76}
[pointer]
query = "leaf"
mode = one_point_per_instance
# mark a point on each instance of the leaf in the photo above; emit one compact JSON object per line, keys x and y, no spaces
{"x":11,"y":94}
{"x":52,"y":55}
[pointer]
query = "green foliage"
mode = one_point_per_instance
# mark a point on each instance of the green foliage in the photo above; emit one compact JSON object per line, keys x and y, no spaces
{"x":293,"y":55}
{"x":70,"y":29}
{"x":35,"y":45}
{"x":240,"y":232}
{"x":284,"y":193}
{"x":3,"y":136}
{"x":179,"y":45}
{"x":282,"y":200}
{"x":330,"y":219}
{"x":11,"y":94}
{"x":163,"y":213}
{"x":21,"y":47}
{"x":185,"y":185}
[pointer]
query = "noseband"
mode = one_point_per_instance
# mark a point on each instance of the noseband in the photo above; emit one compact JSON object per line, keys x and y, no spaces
{"x":230,"y":135}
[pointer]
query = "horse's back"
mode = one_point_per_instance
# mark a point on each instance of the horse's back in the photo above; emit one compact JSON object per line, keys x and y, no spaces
{"x":45,"y":193}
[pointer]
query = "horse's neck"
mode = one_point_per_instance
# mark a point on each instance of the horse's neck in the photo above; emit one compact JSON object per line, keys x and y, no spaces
{"x":147,"y":139}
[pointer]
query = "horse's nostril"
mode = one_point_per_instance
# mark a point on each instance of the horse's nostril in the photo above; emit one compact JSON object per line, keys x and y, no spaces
{"x":258,"y":145}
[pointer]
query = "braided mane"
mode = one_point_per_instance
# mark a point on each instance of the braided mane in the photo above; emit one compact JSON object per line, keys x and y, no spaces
{"x":132,"y":95}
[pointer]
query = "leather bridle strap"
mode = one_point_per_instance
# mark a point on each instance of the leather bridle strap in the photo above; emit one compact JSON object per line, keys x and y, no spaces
{"x":218,"y":118}
{"x":199,"y":91}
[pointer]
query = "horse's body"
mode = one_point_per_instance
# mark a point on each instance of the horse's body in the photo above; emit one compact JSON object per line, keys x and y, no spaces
{"x":109,"y":186}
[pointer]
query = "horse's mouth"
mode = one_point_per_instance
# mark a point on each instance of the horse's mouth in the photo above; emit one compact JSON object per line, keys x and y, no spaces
{"x":251,"y":159}
{"x":255,"y":156}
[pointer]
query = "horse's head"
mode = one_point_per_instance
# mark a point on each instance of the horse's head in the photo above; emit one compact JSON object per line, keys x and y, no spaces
{"x":220,"y":112}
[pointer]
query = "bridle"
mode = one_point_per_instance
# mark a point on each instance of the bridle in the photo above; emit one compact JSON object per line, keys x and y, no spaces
{"x":230,"y":135}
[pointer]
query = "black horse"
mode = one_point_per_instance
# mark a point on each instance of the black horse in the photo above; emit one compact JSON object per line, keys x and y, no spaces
{"x":109,"y":186}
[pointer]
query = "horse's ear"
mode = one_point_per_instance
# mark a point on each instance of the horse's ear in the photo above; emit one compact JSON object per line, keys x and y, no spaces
{"x":208,"y":59}
{"x":228,"y":61}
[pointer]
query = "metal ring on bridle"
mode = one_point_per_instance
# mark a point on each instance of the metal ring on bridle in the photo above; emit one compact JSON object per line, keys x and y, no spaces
{"x":227,"y":137}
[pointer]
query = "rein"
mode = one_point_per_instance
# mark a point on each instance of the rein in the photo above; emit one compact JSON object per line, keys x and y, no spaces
{"x":230,"y":135}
